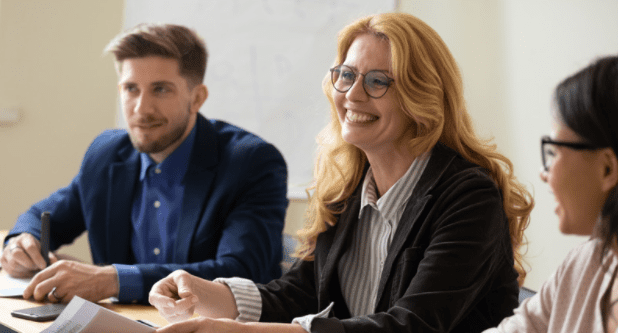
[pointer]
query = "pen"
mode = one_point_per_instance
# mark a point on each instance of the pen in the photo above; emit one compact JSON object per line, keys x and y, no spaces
{"x":45,"y":236}
{"x":147,"y":323}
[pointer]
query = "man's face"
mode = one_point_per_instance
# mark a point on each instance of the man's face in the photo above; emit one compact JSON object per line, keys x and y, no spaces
{"x":158,"y":105}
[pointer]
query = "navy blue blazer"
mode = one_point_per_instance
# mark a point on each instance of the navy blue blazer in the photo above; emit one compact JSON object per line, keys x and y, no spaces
{"x":232,"y":215}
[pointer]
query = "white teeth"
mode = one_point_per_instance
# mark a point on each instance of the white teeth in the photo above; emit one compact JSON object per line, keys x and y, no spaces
{"x":355,"y":117}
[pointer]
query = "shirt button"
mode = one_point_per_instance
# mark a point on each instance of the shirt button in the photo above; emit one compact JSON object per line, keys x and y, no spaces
{"x":157,"y":171}
{"x":157,"y":204}
{"x":156,"y":251}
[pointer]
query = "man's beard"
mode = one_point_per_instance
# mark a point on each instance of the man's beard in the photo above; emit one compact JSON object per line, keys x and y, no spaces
{"x":166,"y":140}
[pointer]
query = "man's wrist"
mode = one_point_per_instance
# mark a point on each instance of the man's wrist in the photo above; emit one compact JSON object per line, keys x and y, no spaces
{"x":110,"y":278}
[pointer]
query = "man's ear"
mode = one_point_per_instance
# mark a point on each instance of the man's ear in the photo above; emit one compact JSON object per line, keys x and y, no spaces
{"x":199,"y":96}
{"x":610,"y":175}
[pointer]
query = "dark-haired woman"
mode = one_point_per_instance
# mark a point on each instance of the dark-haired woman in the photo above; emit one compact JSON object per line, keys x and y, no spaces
{"x":580,"y":166}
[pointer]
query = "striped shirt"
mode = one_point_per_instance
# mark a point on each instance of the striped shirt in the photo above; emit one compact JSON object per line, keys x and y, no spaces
{"x":361,"y":266}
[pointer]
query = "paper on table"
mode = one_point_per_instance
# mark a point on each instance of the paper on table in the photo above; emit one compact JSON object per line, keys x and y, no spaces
{"x":12,"y":287}
{"x":83,"y":316}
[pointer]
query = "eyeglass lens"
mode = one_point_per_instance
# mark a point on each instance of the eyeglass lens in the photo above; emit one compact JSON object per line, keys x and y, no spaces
{"x":375,"y":82}
{"x":549,"y":152}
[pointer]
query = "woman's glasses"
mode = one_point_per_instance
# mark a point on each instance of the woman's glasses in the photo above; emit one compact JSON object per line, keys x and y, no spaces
{"x":548,"y":149}
{"x":375,"y":82}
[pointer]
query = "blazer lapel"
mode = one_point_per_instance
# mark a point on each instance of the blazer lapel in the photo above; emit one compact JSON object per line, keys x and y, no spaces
{"x":197,"y":187}
{"x":197,"y":182}
{"x":340,"y":241}
{"x":440,"y":159}
{"x":123,"y":177}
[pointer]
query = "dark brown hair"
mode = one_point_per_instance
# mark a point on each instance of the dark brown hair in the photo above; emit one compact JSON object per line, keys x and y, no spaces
{"x":587,"y":103}
{"x":164,"y":40}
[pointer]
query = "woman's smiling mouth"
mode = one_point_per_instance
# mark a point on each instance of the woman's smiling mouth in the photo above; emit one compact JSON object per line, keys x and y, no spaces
{"x":356,"y":117}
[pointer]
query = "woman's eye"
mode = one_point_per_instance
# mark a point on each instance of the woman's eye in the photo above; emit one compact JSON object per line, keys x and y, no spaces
{"x":378,"y":82}
{"x":347,"y":76}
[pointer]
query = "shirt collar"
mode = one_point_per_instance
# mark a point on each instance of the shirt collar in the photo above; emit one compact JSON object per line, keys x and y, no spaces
{"x":175,"y":165}
{"x":391,"y":204}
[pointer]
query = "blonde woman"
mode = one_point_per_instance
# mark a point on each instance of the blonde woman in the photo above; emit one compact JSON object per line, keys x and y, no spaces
{"x":414,"y":223}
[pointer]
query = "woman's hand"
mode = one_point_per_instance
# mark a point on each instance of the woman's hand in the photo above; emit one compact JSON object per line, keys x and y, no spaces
{"x":174,"y":296}
{"x":204,"y":325}
{"x":209,"y":325}
{"x":179,"y":295}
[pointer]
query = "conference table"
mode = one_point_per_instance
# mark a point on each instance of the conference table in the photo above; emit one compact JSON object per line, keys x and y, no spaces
{"x":8,"y":304}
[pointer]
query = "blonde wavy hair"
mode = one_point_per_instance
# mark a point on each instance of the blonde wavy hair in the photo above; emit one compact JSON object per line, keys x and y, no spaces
{"x":430,"y":91}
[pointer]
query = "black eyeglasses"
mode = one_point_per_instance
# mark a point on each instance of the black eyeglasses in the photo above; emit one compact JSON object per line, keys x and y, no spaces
{"x":548,"y":149}
{"x":376,"y":82}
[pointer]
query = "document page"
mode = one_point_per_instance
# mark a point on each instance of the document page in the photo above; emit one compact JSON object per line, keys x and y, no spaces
{"x":83,"y":316}
{"x":12,"y":287}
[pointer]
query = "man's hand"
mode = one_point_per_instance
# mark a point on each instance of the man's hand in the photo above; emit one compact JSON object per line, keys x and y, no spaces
{"x":21,"y":257}
{"x":65,"y":279}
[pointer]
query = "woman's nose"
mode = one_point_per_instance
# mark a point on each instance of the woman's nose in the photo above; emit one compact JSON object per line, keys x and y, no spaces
{"x":357,"y":91}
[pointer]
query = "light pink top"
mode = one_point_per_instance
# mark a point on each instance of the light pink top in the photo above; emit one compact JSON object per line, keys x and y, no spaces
{"x":570,"y":301}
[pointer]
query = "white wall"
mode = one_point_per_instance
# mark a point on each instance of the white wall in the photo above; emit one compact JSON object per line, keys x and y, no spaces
{"x":52,"y":69}
{"x":546,"y":41}
{"x":512,"y":54}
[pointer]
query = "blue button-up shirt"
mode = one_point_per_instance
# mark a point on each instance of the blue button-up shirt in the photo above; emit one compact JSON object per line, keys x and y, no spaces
{"x":155,"y":215}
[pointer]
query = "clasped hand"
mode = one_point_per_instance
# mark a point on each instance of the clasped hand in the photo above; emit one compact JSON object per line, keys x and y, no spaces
{"x":181,"y":295}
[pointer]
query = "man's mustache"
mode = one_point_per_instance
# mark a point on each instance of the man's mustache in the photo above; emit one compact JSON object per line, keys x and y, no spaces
{"x":146,"y":121}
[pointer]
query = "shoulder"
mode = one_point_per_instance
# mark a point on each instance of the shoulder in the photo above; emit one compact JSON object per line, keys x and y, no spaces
{"x":239,"y":144}
{"x":578,"y":280}
{"x":453,"y":174}
{"x":234,"y":136}
{"x":110,"y":139}
{"x":586,"y":257}
{"x":582,"y":271}
{"x":460,"y":192}
{"x":109,"y":145}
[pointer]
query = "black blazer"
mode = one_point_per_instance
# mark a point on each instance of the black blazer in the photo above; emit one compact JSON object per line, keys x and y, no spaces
{"x":449,"y":267}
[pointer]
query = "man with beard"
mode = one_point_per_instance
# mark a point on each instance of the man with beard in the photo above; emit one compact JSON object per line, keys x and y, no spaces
{"x":174,"y":191}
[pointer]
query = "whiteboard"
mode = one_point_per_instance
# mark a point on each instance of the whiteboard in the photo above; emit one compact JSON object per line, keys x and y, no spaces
{"x":267,"y":59}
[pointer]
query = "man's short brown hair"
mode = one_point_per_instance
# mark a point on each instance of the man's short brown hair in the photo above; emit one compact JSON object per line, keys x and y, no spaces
{"x":164,"y":40}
